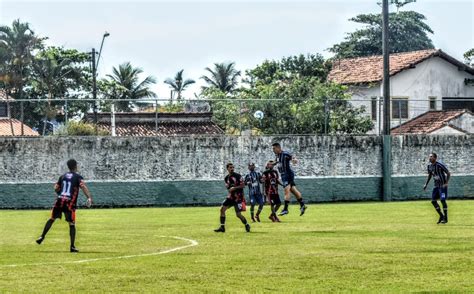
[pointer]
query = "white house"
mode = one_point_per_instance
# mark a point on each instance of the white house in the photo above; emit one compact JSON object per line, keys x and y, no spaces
{"x":420,"y":81}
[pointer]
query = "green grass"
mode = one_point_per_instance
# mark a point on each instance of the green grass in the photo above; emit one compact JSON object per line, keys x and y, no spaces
{"x":357,"y":247}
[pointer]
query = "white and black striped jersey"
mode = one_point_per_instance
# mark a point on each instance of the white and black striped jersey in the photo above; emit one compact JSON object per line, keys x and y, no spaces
{"x":283,"y":163}
{"x":439,"y":172}
{"x":252,"y":180}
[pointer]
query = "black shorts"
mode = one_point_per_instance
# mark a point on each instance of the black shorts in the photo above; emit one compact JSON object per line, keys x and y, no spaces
{"x":237,"y":204}
{"x":288,"y":179}
{"x":275,"y":199}
{"x":63,"y":206}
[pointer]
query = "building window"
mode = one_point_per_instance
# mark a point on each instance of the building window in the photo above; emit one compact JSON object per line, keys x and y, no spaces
{"x":432,"y":103}
{"x":3,"y":110}
{"x":399,"y":108}
{"x":373,"y":108}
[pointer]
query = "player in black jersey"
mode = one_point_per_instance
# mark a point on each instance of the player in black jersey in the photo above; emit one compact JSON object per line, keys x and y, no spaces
{"x":235,"y":185}
{"x":441,"y":176}
{"x":67,"y":189}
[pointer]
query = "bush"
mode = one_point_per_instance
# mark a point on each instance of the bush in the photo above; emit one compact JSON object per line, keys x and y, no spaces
{"x":79,"y":128}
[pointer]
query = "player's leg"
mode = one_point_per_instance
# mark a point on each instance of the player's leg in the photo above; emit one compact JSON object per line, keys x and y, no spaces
{"x":222,"y":218}
{"x":299,"y":198}
{"x":277,"y":202}
{"x":242,"y":218}
{"x":434,"y":197}
{"x":260,"y":202}
{"x":55,"y":213}
{"x":444,"y":197}
{"x":273,"y":212}
{"x":287,"y":199}
{"x":70,"y":215}
{"x":252,"y":207}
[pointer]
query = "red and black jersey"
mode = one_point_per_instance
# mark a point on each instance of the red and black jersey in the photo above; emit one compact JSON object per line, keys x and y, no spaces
{"x":235,"y":180}
{"x":68,"y":186}
{"x":270,"y":182}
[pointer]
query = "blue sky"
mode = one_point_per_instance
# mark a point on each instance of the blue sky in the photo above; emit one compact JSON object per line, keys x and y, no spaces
{"x":163,"y":37}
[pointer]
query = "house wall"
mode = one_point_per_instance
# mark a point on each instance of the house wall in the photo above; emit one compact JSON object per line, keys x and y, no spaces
{"x":464,"y":122}
{"x":190,"y":170}
{"x":447,"y":130}
{"x":433,"y":77}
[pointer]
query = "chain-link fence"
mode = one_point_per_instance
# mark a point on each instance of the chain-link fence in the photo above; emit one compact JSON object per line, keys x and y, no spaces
{"x":161,"y":117}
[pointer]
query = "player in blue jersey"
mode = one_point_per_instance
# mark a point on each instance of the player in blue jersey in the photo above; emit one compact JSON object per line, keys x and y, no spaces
{"x":67,"y":189}
{"x":253,"y":180}
{"x":441,"y":175}
{"x":283,"y":160}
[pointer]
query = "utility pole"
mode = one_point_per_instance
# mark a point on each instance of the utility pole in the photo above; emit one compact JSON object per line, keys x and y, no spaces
{"x":387,"y":139}
{"x":94,"y":89}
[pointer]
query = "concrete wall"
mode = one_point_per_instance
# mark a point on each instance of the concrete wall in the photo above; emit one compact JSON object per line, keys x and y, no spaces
{"x":189,"y":170}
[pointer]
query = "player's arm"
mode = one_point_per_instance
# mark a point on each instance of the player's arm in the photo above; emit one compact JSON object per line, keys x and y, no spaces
{"x":427,"y":181}
{"x":240,"y":186}
{"x":448,"y":176}
{"x":57,"y":186}
{"x":86,"y":192}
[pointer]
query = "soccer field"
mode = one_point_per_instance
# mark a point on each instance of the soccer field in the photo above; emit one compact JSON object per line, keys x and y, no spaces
{"x":350,"y":247}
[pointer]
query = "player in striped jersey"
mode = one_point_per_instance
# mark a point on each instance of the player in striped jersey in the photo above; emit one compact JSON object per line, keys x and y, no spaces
{"x":441,"y":176}
{"x":67,"y":189}
{"x":253,"y":180}
{"x":283,"y":159}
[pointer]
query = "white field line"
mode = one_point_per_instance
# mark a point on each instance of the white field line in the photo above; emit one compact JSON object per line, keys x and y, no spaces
{"x":191,"y":244}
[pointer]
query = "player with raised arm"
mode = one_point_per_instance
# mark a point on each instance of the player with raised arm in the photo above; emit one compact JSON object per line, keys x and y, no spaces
{"x":441,"y":176}
{"x":283,"y":159}
{"x":253,"y":180}
{"x":67,"y":189}
{"x":270,"y":182}
{"x":235,"y":185}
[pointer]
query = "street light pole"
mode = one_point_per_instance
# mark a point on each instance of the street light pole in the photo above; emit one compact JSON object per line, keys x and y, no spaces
{"x":387,"y":139}
{"x":94,"y":78}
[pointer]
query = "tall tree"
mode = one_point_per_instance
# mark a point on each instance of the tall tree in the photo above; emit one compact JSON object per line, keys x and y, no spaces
{"x":407,"y":30}
{"x":127,"y":78}
{"x":179,"y":84}
{"x":224,"y":76}
{"x":469,"y":57}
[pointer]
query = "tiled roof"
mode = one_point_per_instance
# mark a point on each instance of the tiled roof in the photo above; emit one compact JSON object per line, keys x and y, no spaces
{"x":6,"y":128}
{"x":429,"y":122}
{"x":164,"y":129}
{"x":4,"y":96}
{"x":370,"y":69}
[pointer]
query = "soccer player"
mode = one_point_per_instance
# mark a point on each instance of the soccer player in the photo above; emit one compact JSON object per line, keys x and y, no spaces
{"x":270,"y":181}
{"x":441,"y":176}
{"x":67,"y":189}
{"x":253,"y":180}
{"x":235,"y":185}
{"x":283,"y":160}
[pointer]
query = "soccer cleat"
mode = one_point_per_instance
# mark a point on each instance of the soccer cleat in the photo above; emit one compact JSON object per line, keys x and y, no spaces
{"x":272,"y":218}
{"x":302,"y":209}
{"x":221,"y":229}
{"x":247,"y":228}
{"x":440,"y":220}
{"x":253,"y":219}
{"x":277,"y":219}
{"x":257,"y":217}
{"x":39,"y":240}
{"x":283,"y":212}
{"x":74,"y":249}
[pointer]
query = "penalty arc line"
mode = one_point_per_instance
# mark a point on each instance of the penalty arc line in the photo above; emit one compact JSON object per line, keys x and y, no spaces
{"x":192,"y":243}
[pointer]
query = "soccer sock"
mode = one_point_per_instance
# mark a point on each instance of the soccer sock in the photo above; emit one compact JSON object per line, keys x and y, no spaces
{"x":72,"y":234}
{"x":436,"y":206}
{"x":252,"y":210}
{"x":260,"y":207}
{"x":286,"y":204}
{"x":445,"y":208}
{"x":47,"y":226}
{"x":222,"y":221}
{"x":301,"y":202}
{"x":243,"y":220}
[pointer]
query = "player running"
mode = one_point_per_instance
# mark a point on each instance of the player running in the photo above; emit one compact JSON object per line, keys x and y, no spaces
{"x":441,"y":176}
{"x":67,"y":189}
{"x":270,"y":182}
{"x":253,"y":180}
{"x":235,"y":185}
{"x":287,"y":177}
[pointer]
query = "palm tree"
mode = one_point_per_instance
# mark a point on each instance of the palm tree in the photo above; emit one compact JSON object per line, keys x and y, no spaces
{"x":17,"y":44}
{"x":223,"y":77}
{"x":127,"y":77}
{"x":177,"y":84}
